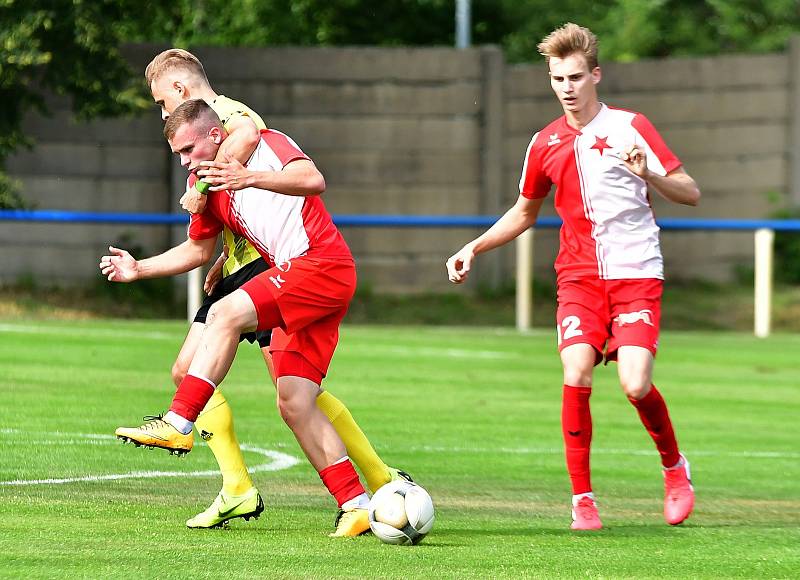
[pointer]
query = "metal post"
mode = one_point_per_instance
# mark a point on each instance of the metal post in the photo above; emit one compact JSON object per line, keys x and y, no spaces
{"x":463,"y":24}
{"x":524,"y":278}
{"x":194,"y":293}
{"x":764,"y":241}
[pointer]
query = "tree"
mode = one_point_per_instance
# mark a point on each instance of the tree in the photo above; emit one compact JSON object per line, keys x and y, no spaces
{"x":65,"y":47}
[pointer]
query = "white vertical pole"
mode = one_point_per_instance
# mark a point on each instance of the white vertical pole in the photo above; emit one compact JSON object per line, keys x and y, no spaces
{"x":764,"y":240}
{"x":194,"y":292}
{"x":524,"y":269}
{"x":463,"y":24}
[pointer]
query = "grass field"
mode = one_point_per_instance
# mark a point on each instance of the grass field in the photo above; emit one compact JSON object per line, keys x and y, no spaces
{"x":473,"y":414}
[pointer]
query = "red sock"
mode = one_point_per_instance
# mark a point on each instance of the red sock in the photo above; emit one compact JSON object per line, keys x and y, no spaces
{"x":191,"y":397}
{"x":576,"y":426}
{"x":342,"y":481}
{"x":655,"y":418}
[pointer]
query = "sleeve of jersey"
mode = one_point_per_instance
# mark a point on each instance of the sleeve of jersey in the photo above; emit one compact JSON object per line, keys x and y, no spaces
{"x":284,"y":148}
{"x":202,"y":225}
{"x":668,"y":160}
{"x":533,"y":183}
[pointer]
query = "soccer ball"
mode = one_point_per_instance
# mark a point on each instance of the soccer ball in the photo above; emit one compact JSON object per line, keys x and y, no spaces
{"x":401,"y":512}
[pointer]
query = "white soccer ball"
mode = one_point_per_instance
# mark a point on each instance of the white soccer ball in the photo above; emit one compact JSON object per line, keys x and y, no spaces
{"x":401,"y":512}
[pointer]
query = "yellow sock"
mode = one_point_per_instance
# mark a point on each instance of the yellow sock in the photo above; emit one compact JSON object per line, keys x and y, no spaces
{"x":374,"y":470}
{"x":215,"y":425}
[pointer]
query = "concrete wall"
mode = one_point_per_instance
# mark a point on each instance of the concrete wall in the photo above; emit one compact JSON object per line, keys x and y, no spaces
{"x":417,"y":131}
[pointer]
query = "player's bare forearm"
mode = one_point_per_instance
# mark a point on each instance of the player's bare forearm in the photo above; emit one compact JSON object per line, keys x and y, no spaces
{"x":677,"y":186}
{"x":521,"y":216}
{"x":515,"y":221}
{"x":242,"y":140}
{"x":178,"y":260}
{"x":300,"y":177}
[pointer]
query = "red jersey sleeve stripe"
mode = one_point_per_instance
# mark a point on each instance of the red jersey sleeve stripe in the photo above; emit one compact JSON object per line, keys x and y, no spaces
{"x":668,"y":159}
{"x":284,"y":148}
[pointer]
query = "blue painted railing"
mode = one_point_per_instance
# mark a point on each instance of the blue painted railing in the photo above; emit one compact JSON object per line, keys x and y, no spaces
{"x":393,"y":221}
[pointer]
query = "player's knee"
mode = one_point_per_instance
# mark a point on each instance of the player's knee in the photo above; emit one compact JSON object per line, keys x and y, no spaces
{"x":220,"y":318}
{"x":291,"y":411}
{"x":635,"y":387}
{"x":578,"y":377}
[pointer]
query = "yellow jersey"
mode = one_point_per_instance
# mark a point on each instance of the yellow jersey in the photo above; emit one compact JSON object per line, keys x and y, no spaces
{"x":240,"y":251}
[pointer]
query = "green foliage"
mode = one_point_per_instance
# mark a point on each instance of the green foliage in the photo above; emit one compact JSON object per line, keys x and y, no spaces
{"x":9,"y":194}
{"x":68,"y":48}
{"x":628,"y":29}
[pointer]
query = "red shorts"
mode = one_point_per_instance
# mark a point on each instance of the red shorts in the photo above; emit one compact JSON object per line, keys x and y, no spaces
{"x":608,"y":314}
{"x":312,"y":295}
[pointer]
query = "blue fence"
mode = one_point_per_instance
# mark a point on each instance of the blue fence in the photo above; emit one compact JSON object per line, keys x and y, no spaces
{"x":394,"y":221}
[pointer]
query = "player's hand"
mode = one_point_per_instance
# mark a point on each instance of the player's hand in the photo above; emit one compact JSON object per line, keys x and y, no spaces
{"x":223,"y":175}
{"x":215,"y":272}
{"x":635,"y":159}
{"x":459,"y":264}
{"x":193,"y":201}
{"x":120,"y":266}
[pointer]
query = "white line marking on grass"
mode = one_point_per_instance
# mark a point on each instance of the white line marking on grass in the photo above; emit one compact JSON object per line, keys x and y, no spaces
{"x":279,"y":461}
{"x":602,"y":451}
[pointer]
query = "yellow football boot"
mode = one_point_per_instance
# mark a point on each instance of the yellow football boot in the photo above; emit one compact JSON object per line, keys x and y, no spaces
{"x":399,"y":475}
{"x":351,"y":523}
{"x":157,"y":433}
{"x":226,"y":507}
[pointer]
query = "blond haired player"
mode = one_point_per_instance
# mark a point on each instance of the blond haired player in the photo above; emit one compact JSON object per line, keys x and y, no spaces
{"x":175,"y":76}
{"x":609,"y":267}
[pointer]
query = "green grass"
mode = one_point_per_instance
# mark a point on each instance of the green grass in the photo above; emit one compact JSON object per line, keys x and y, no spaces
{"x":473,"y":414}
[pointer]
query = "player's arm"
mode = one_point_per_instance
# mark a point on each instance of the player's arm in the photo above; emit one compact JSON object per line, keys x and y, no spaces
{"x":521,"y":216}
{"x":676,"y":186}
{"x":120,"y":266}
{"x":299,"y":177}
{"x":242,"y":140}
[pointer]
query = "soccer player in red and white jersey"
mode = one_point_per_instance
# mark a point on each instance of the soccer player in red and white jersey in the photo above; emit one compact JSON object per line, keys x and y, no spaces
{"x":303,"y":296}
{"x":609,"y":267}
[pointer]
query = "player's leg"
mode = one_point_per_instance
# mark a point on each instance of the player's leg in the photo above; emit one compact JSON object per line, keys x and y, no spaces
{"x":578,"y":362}
{"x":581,"y":335}
{"x":298,"y":388}
{"x":635,"y":328}
{"x":215,"y":423}
{"x":226,"y":321}
{"x":238,"y":497}
{"x":360,"y":450}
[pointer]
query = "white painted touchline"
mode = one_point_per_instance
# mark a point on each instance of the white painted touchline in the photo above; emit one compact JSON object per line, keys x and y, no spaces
{"x":279,"y":462}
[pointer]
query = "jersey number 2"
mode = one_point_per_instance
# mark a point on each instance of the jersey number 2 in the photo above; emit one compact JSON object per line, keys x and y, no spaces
{"x":571,"y":326}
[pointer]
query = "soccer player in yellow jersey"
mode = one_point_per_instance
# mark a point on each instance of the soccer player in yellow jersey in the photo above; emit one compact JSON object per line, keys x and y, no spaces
{"x":175,"y":76}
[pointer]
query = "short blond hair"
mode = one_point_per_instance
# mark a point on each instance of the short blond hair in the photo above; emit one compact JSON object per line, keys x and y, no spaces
{"x":174,"y":59}
{"x":570,"y":39}
{"x":195,"y":112}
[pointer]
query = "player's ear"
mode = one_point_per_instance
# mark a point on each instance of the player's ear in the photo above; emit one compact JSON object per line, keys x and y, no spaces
{"x":597,"y":75}
{"x":215,"y":134}
{"x":181,"y":89}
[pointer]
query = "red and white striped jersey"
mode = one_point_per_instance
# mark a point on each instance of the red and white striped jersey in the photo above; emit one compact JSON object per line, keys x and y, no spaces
{"x":281,"y":227}
{"x":609,"y":230}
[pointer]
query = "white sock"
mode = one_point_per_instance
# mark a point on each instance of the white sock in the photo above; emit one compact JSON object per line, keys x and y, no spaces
{"x":183,"y":425}
{"x":360,"y":501}
{"x":577,"y":498}
{"x":681,"y":463}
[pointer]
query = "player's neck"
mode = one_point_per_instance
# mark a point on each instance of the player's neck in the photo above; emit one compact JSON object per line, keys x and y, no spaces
{"x":207,"y":94}
{"x":579,"y":119}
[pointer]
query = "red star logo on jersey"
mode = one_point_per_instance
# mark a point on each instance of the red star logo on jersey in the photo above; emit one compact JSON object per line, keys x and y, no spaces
{"x":600,"y":144}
